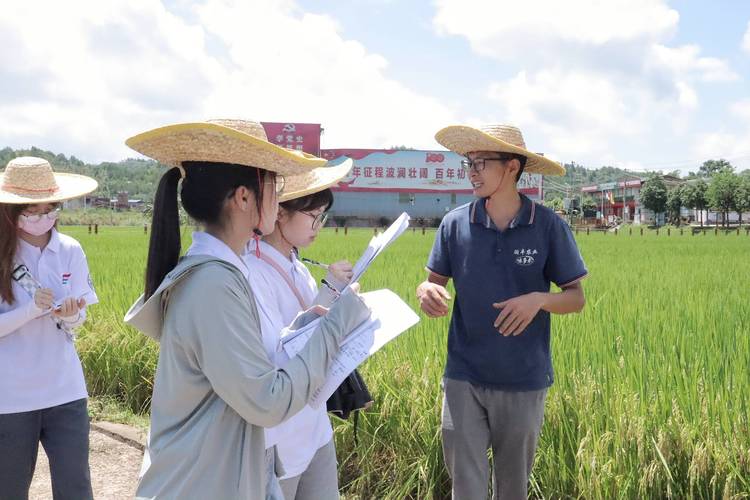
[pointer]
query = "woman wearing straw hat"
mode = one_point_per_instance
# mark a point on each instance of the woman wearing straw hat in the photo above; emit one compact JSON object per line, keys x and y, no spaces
{"x":44,"y":290}
{"x":283,"y":288}
{"x":216,"y":387}
{"x":502,"y":252}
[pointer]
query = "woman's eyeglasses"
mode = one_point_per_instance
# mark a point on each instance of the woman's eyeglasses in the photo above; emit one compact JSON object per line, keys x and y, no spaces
{"x":318,"y":220}
{"x":279,"y":183}
{"x":51,"y":215}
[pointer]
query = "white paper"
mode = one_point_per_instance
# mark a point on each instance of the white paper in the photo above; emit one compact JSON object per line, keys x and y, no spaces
{"x":390,"y":317}
{"x":379,"y":243}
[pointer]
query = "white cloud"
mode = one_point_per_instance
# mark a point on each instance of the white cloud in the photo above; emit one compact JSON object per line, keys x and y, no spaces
{"x":731,"y":143}
{"x":599,"y":79}
{"x":505,"y":29}
{"x":307,"y":70}
{"x":686,"y":61}
{"x":573,"y":110}
{"x":746,"y":39}
{"x":85,"y":75}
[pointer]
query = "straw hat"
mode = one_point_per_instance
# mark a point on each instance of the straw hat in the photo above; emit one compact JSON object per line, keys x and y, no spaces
{"x":242,"y":142}
{"x":297,"y":186}
{"x":463,"y":139}
{"x":30,"y":180}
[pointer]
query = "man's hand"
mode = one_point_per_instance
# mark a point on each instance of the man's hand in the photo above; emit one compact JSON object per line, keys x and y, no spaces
{"x":517,"y":313}
{"x":433,"y":299}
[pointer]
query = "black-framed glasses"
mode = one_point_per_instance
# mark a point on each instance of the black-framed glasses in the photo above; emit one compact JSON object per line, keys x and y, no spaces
{"x":479,"y":164}
{"x":318,"y":220}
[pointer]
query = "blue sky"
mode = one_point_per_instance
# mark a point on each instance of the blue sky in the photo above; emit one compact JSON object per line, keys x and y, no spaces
{"x":640,"y":84}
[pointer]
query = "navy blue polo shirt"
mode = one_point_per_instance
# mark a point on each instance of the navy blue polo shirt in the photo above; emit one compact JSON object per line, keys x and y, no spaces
{"x":488,"y":265}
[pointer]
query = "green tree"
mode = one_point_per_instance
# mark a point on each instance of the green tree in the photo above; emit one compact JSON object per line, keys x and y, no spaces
{"x":721,"y":193}
{"x":555,"y":203}
{"x":713,"y":167}
{"x":654,"y":194}
{"x":674,"y":204}
{"x":588,"y":206}
{"x":694,"y":196}
{"x":742,"y":195}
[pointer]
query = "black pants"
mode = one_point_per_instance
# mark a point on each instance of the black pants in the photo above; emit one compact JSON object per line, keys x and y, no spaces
{"x":64,"y":432}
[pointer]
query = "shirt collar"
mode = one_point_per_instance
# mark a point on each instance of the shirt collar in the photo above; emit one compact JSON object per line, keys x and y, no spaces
{"x":205,"y":244}
{"x":53,"y":245}
{"x":525,"y":216}
{"x":266,"y":249}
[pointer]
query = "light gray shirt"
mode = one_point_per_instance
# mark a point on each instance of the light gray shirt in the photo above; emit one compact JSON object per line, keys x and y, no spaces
{"x":215,"y":387}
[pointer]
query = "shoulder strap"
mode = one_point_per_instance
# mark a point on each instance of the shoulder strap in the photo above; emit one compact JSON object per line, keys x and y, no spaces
{"x":22,"y":275}
{"x":268,"y":260}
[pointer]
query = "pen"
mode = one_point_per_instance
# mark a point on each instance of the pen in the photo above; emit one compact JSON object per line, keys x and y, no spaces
{"x":330,"y":287}
{"x":314,"y":262}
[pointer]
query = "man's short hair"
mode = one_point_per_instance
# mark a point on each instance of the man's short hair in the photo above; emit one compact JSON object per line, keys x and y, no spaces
{"x":521,"y":159}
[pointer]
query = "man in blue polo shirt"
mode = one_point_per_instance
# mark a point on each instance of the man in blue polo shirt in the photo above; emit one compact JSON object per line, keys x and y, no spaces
{"x":502,"y":252}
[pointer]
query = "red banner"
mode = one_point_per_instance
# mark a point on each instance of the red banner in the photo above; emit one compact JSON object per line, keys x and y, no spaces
{"x":300,"y":136}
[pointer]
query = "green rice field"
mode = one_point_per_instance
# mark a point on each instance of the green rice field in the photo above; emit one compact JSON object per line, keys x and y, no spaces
{"x":652,"y":390}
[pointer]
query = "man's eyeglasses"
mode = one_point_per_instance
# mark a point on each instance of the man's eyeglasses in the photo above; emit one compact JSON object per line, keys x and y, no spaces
{"x":318,"y":220}
{"x":479,"y":164}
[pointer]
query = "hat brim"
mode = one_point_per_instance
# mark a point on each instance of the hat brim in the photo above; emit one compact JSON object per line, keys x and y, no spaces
{"x":463,"y":139}
{"x":204,"y":141}
{"x":70,"y":186}
{"x":297,"y":186}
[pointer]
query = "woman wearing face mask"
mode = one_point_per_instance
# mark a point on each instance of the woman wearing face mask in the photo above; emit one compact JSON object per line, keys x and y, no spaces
{"x":44,"y":290}
{"x":283,"y":287}
{"x":215,"y":386}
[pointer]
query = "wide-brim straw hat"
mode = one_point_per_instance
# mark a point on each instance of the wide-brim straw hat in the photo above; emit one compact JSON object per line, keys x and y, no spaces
{"x":463,"y":139}
{"x":243,"y":142}
{"x":29,"y":180}
{"x":297,"y":186}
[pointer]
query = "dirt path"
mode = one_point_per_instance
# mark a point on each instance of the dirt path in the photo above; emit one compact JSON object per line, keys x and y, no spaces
{"x":114,"y":469}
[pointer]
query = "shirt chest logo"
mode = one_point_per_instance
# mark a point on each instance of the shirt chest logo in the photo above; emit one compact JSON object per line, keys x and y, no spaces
{"x":65,"y":278}
{"x":525,"y":256}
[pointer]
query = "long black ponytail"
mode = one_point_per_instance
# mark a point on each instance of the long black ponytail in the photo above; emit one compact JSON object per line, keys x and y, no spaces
{"x":204,"y":190}
{"x":164,"y":246}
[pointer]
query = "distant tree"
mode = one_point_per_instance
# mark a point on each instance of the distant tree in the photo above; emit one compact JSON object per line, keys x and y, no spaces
{"x":721,"y":193}
{"x":713,"y":167}
{"x":674,"y":204}
{"x":654,"y":194}
{"x":694,"y":196}
{"x":588,"y":206}
{"x":555,"y":203}
{"x":742,"y":196}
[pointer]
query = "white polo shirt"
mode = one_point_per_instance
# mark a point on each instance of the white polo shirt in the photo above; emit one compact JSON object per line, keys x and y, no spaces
{"x":301,"y":436}
{"x":39,"y":365}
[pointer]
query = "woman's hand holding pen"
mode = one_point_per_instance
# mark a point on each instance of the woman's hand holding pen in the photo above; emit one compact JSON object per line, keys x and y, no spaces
{"x":340,"y":273}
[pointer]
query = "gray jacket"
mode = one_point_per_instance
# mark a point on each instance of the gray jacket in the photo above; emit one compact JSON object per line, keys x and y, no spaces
{"x":215,"y":388}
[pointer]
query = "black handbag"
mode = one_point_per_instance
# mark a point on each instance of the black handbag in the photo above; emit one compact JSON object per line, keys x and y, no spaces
{"x":352,"y":395}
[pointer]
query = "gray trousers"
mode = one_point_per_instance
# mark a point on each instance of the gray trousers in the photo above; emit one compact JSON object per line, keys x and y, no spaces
{"x":319,"y":481}
{"x":476,"y":419}
{"x":64,"y":432}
